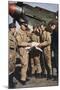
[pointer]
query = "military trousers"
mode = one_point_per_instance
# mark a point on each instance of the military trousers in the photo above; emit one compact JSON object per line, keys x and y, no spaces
{"x":24,"y":63}
{"x":47,"y":55}
{"x":35,"y":62}
{"x":12,"y":60}
{"x":35,"y":65}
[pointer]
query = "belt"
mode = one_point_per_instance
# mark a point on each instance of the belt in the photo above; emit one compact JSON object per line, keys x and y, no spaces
{"x":21,"y":46}
{"x":12,"y":48}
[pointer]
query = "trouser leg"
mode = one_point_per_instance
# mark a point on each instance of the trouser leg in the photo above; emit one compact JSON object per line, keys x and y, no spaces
{"x":43,"y":66}
{"x":32,"y":66}
{"x":48,"y":63}
{"x":37,"y":64}
{"x":11,"y":66}
{"x":24,"y":62}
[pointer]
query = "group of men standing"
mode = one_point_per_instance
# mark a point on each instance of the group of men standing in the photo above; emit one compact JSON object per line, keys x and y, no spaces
{"x":34,"y":49}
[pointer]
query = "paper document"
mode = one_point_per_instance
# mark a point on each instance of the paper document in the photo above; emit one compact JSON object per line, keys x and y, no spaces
{"x":39,"y":49}
{"x":30,"y":48}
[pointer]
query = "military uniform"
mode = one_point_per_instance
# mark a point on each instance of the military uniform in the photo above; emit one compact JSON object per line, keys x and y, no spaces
{"x":12,"y":52}
{"x":23,"y":40}
{"x":35,"y":55}
{"x":45,"y":45}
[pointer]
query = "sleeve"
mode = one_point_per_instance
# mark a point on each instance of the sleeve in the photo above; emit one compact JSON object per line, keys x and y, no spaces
{"x":47,"y":41}
{"x":20,"y":40}
{"x":10,"y":41}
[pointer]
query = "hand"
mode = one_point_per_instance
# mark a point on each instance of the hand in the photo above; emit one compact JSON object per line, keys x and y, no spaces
{"x":35,"y":44}
{"x":39,"y":45}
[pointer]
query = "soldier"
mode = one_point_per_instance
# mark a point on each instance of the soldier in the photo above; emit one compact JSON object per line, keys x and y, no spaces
{"x":35,"y":54}
{"x":23,"y":41}
{"x":12,"y":53}
{"x":45,"y":43}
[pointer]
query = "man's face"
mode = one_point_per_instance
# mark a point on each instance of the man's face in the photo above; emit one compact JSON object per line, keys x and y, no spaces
{"x":23,"y":27}
{"x":42,"y":27}
{"x":13,"y":30}
{"x":40,"y":30}
{"x":53,"y":27}
{"x":35,"y":29}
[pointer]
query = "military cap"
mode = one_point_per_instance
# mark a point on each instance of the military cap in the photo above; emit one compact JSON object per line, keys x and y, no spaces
{"x":12,"y":25}
{"x":25,"y":24}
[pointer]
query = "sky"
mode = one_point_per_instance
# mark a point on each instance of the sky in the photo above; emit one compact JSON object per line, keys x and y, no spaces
{"x":51,"y":7}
